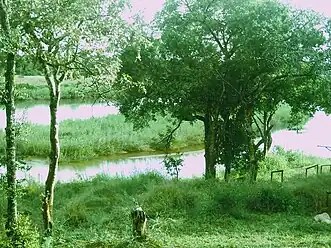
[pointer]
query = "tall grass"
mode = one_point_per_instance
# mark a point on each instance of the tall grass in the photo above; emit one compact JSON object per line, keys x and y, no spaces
{"x":97,"y":137}
{"x":186,"y":213}
{"x":293,"y":163}
{"x":35,"y":88}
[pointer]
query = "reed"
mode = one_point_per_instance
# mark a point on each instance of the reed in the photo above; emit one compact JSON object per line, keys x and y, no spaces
{"x":99,"y":137}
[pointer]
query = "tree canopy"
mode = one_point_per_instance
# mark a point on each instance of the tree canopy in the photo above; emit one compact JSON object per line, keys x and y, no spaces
{"x":223,"y":62}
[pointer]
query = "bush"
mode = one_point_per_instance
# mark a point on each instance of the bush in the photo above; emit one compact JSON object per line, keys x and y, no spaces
{"x":27,"y":235}
{"x":174,"y":164}
{"x":271,"y":200}
{"x":171,"y":199}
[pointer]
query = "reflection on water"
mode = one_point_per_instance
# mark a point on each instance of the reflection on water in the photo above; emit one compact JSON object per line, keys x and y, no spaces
{"x":193,"y":166}
{"x":39,"y":113}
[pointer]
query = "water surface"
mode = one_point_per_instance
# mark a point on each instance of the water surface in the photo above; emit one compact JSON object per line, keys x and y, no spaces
{"x":316,"y":132}
{"x":39,"y":113}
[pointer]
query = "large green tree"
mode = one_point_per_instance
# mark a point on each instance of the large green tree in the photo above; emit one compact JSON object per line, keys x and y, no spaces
{"x":221,"y":62}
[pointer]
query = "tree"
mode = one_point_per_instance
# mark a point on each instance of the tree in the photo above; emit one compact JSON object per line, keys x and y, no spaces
{"x":9,"y":48}
{"x":297,"y":120}
{"x":65,"y":36}
{"x":279,"y":84}
{"x":221,"y":62}
{"x":26,"y":66}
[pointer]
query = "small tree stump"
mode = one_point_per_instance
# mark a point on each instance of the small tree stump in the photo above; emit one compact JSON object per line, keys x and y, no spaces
{"x":139,"y":223}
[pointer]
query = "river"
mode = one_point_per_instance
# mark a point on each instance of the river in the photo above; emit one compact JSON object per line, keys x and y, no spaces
{"x":39,"y":113}
{"x":316,"y":132}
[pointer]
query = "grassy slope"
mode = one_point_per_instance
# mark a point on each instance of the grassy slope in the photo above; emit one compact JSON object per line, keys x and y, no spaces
{"x":192,"y":212}
{"x":188,"y":213}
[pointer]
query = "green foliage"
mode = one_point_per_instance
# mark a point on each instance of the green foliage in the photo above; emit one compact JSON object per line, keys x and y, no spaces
{"x":271,"y":199}
{"x":95,"y":213}
{"x":97,"y":137}
{"x":25,"y":66}
{"x":281,"y":117}
{"x":281,"y":159}
{"x":248,"y":55}
{"x":82,"y":25}
{"x":173,"y":164}
{"x":35,"y":88}
{"x":28,"y":235}
{"x":30,"y":88}
{"x":298,"y":120}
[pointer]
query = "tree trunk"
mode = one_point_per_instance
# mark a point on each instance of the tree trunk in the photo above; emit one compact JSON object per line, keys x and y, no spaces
{"x":10,"y":126}
{"x":139,"y":223}
{"x":10,"y":147}
{"x":210,"y":147}
{"x":54,"y":158}
{"x":227,"y":147}
{"x":267,"y":132}
{"x":265,"y":135}
{"x":227,"y":165}
{"x":252,"y":163}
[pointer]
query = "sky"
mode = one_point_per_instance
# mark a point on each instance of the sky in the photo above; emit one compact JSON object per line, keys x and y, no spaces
{"x":322,"y":6}
{"x":150,"y":7}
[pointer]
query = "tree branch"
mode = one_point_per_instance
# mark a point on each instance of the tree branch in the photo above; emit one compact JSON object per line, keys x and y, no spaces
{"x":258,"y":127}
{"x":169,"y":137}
{"x":261,"y":141}
{"x":270,"y":117}
{"x":5,"y":25}
{"x":213,"y":34}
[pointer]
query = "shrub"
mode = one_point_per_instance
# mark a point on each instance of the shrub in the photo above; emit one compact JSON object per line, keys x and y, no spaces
{"x":173,"y":165}
{"x":271,"y":199}
{"x":27,"y":235}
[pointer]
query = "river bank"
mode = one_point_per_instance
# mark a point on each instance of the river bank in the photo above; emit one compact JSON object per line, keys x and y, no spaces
{"x":185,"y":214}
{"x":35,"y":88}
{"x":128,"y":165}
{"x":90,"y":131}
{"x":37,"y":112}
{"x":102,"y":137}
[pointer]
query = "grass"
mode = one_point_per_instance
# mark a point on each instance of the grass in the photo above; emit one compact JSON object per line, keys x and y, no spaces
{"x":293,"y":163}
{"x":98,"y":137}
{"x":35,"y":88}
{"x":185,"y":213}
{"x":111,"y":135}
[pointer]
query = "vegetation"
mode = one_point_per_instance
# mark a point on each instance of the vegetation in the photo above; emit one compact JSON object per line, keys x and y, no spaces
{"x":226,"y":63}
{"x":111,"y":135}
{"x":35,"y":88}
{"x":99,"y":137}
{"x":297,"y":120}
{"x":187,"y":213}
{"x":69,"y":37}
{"x":61,"y":38}
{"x":173,"y":165}
{"x":223,"y":67}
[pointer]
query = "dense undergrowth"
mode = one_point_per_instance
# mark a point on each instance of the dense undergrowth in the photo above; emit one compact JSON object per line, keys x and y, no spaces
{"x":186,"y":213}
{"x":189,"y":212}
